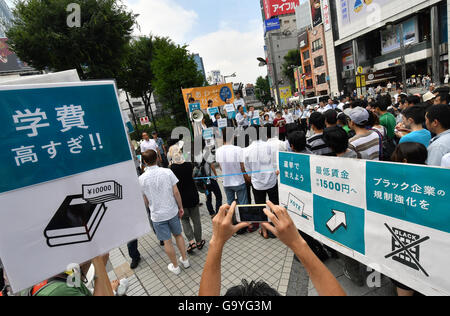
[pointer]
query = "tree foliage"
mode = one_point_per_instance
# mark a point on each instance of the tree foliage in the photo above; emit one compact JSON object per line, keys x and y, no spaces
{"x":293,"y":58}
{"x":174,"y":68}
{"x":262,"y":90}
{"x":41,"y":37}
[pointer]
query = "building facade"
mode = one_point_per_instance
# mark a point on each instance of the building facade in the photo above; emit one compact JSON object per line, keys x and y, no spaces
{"x":215,"y":77}
{"x":365,"y":40}
{"x":5,"y":17}
{"x":200,"y":66}
{"x":280,"y":38}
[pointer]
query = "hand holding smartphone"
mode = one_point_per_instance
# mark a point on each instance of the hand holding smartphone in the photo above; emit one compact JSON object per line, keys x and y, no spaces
{"x":251,"y":214}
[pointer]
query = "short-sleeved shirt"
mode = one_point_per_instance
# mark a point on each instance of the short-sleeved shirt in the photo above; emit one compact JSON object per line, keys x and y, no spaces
{"x":230,"y":158}
{"x":367,"y":146}
{"x":241,"y":120}
{"x":439,"y":147}
{"x":186,"y":184}
{"x":260,"y":156}
{"x":147,"y":145}
{"x":317,"y":146}
{"x":160,"y":144}
{"x":422,"y":137}
{"x":57,"y":288}
{"x":282,"y":129}
{"x":388,"y":121}
{"x":157,"y":185}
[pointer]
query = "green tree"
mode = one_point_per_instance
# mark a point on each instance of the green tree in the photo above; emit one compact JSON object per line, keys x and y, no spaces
{"x":174,"y":68}
{"x":262,"y":90}
{"x":40,"y":36}
{"x":292,"y":58}
{"x":137,"y":74}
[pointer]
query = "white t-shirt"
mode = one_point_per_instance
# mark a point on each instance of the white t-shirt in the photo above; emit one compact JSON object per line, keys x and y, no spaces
{"x":147,"y":145}
{"x":230,"y":158}
{"x":157,"y":185}
{"x":446,"y":161}
{"x":259,"y":156}
{"x":241,"y":120}
{"x":289,"y":118}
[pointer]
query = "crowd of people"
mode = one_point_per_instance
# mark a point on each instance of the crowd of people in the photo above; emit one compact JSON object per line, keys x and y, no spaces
{"x":403,"y":128}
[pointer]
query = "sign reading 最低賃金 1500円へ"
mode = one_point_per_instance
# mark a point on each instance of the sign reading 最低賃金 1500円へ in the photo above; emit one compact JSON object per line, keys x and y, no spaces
{"x":391,"y":217}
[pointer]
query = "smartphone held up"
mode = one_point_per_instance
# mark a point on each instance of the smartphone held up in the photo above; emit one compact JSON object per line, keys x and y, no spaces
{"x":251,"y":214}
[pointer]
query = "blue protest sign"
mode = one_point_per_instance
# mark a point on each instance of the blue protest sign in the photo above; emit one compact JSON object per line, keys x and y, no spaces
{"x":213,"y":111}
{"x":411,"y":193}
{"x":340,"y":222}
{"x":51,"y":133}
{"x":295,"y":171}
{"x":194,"y":106}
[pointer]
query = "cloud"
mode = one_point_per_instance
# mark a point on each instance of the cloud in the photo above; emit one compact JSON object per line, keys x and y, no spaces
{"x":163,"y":18}
{"x":230,"y":51}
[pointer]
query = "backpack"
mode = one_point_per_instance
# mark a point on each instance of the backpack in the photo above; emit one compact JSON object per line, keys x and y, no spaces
{"x":388,"y":149}
{"x":200,"y":172}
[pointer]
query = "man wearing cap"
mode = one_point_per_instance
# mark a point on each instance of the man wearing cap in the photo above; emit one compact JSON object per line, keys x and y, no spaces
{"x":366,"y":142}
{"x":162,"y":149}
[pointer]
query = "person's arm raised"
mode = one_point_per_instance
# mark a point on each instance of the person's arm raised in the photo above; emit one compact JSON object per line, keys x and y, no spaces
{"x":223,"y":229}
{"x":324,"y":281}
{"x":102,"y":283}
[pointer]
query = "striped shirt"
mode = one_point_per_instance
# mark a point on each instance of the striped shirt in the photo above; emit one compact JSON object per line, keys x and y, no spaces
{"x":317,"y":146}
{"x":368,"y":145}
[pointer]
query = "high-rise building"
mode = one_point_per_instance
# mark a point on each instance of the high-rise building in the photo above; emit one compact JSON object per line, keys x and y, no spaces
{"x":5,"y":17}
{"x":280,"y":38}
{"x":200,"y":66}
{"x":215,"y":77}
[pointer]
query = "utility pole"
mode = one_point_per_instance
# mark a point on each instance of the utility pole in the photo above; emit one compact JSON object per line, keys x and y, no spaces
{"x":403,"y":58}
{"x":274,"y":70}
{"x":435,"y":45}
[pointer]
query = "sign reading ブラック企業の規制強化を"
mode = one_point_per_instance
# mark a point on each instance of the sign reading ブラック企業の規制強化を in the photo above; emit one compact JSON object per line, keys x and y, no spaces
{"x":391,"y":217}
{"x":71,"y":177}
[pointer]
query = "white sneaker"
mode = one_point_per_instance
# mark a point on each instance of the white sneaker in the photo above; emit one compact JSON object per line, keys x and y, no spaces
{"x":123,"y":287}
{"x":186,"y":263}
{"x":174,"y":270}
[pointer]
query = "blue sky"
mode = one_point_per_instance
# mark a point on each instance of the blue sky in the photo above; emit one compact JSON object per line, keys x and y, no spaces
{"x":228,"y":34}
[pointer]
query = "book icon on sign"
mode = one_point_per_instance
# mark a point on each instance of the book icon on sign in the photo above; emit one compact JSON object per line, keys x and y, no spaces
{"x":79,"y":216}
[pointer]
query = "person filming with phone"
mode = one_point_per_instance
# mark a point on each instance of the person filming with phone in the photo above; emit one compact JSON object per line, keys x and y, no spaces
{"x":284,"y":228}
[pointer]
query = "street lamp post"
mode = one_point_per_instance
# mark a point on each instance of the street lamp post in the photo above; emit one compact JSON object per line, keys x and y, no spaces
{"x":230,"y":76}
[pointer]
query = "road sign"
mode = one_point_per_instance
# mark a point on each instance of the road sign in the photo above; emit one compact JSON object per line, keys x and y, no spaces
{"x":360,"y":70}
{"x":145,"y":120}
{"x":66,"y":155}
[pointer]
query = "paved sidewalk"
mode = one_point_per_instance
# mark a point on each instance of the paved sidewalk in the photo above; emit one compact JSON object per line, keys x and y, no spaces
{"x":246,"y":256}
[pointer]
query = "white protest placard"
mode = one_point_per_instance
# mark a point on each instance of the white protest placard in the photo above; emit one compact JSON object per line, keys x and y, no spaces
{"x":73,"y":191}
{"x":222,"y":123}
{"x":391,"y":217}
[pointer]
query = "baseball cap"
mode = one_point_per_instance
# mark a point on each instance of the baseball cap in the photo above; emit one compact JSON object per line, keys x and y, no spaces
{"x":428,"y":96}
{"x":358,"y":115}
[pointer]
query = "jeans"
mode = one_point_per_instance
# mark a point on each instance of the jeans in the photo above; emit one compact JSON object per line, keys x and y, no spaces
{"x":272,"y":194}
{"x":194,"y":215}
{"x":240,"y":191}
{"x":210,"y":189}
{"x":133,"y":250}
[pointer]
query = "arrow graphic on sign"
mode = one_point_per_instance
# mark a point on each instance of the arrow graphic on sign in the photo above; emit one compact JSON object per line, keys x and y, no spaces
{"x":338,"y":220}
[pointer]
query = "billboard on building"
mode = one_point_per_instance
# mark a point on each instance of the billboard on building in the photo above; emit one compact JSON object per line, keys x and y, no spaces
{"x":357,"y":15}
{"x":326,"y":15}
{"x":303,"y":39}
{"x":9,"y":62}
{"x":347,"y":57}
{"x":279,"y":7}
{"x":272,"y":24}
{"x":316,"y":12}
{"x":303,"y":15}
{"x":390,"y":39}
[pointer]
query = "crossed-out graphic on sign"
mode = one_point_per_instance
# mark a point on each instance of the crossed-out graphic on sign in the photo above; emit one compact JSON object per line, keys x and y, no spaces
{"x":406,"y":248}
